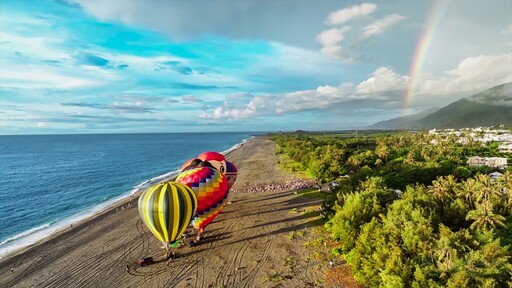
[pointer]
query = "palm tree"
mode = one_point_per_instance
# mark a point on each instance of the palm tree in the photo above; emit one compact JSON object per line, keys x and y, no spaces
{"x":486,"y":189}
{"x":445,"y":253}
{"x":506,"y":191}
{"x":382,"y":151}
{"x":506,"y":180}
{"x":442,"y":187}
{"x":484,"y":217}
{"x":448,"y":247}
{"x":467,"y":190}
{"x":450,"y":184}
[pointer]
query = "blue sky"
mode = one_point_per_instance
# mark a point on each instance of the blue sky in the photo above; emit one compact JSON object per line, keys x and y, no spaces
{"x":118,"y":66}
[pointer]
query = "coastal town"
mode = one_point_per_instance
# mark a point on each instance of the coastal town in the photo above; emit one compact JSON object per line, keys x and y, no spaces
{"x":479,"y":134}
{"x":485,"y":135}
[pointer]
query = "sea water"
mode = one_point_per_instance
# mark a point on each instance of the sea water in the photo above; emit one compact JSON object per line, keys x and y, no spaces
{"x":48,"y":182}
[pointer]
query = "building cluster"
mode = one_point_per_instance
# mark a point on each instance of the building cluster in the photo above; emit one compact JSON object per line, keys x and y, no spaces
{"x":480,"y":134}
{"x":495,"y":162}
{"x":505,"y":147}
{"x":484,"y":135}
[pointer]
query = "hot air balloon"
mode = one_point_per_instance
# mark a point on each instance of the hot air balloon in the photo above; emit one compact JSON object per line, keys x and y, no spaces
{"x":212,"y":191}
{"x":167,"y":209}
{"x":216,"y":159}
{"x":231,"y":173}
{"x":190,"y":164}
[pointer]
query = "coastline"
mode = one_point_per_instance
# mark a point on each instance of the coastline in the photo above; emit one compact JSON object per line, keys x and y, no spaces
{"x":245,"y":245}
{"x":114,"y":205}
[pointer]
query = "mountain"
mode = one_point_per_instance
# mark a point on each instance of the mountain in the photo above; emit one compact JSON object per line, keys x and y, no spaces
{"x":488,"y":108}
{"x":405,"y":122}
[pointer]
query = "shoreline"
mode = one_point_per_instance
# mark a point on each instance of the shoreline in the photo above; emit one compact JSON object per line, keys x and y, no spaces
{"x":248,"y":242}
{"x":98,"y":212}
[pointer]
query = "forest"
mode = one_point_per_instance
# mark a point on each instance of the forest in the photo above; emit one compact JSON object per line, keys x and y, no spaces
{"x":407,"y":211}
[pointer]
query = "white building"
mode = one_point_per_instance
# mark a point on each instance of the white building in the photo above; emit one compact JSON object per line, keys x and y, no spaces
{"x":495,"y":175}
{"x":496,"y":162}
{"x":476,"y":161}
{"x":505,"y":147}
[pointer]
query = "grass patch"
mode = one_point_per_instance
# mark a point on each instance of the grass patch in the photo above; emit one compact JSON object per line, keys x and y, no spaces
{"x":295,"y":234}
{"x":288,"y":164}
{"x":291,"y":262}
{"x":311,"y":193}
{"x":275,"y":277}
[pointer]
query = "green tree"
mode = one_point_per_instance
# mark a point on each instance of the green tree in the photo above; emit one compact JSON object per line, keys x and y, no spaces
{"x":484,"y":218}
{"x":485,"y":189}
{"x":467,"y":191}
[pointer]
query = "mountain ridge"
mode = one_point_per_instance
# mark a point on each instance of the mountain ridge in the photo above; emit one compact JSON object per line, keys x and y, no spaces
{"x":490,"y":107}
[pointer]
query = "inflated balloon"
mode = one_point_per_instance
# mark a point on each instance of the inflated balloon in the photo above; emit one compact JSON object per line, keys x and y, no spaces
{"x":231,"y":173}
{"x":216,"y":159}
{"x":190,"y":164}
{"x":167,"y":209}
{"x":212,"y":191}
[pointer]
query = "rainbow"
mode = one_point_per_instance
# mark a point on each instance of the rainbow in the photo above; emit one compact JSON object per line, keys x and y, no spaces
{"x":436,"y":11}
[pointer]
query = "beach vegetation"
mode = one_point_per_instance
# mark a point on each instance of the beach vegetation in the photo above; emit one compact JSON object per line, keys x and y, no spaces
{"x":295,"y":234}
{"x":311,"y":193}
{"x":291,"y":262}
{"x":274,"y":277}
{"x":408,"y":213}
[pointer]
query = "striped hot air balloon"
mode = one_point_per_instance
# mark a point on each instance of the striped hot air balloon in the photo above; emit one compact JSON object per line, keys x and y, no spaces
{"x":167,"y":209}
{"x":212,"y":190}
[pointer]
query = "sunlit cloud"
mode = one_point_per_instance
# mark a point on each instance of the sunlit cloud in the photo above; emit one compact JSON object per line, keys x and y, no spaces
{"x":344,"y":15}
{"x":331,"y":39}
{"x":381,"y":25}
{"x":385,"y":89}
{"x":81,"y":65}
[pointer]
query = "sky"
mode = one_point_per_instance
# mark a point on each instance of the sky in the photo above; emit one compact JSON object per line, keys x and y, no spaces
{"x":126,"y":66}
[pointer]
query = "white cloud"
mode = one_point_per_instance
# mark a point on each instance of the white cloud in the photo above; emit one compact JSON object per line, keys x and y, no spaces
{"x":40,"y":78}
{"x":381,"y":25}
{"x":384,"y":89}
{"x":258,"y":105}
{"x":35,"y":47}
{"x":323,"y":97}
{"x":331,"y":39}
{"x":383,"y":80}
{"x":344,"y":15}
{"x":507,"y":31}
{"x":472,"y":75}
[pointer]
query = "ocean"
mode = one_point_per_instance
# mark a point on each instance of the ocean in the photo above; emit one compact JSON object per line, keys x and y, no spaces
{"x":48,"y":182}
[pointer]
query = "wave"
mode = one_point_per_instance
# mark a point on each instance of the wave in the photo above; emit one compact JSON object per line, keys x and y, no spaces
{"x":154,"y":180}
{"x":238,"y":145}
{"x":25,"y":233}
{"x":32,"y":236}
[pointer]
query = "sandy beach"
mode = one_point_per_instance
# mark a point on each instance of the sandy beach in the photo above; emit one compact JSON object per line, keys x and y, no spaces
{"x":247,"y":245}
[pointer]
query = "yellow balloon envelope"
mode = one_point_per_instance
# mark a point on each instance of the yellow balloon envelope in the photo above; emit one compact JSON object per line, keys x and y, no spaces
{"x":167,"y":209}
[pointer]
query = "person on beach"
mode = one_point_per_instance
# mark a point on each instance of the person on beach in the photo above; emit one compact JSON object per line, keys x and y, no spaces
{"x":169,"y":256}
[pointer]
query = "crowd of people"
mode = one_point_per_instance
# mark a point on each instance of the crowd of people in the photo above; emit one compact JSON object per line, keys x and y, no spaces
{"x":292,"y":184}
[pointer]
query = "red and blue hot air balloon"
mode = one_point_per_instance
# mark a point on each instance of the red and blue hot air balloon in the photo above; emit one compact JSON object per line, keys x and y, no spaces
{"x":231,"y":173}
{"x":216,"y":159}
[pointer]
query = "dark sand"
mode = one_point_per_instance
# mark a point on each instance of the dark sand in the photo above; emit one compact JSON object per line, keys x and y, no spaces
{"x":247,"y":245}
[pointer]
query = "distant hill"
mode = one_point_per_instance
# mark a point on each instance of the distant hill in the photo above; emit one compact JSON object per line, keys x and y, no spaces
{"x":405,"y":122}
{"x":488,"y":108}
